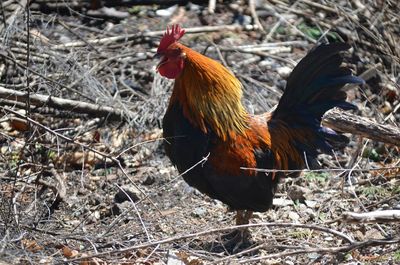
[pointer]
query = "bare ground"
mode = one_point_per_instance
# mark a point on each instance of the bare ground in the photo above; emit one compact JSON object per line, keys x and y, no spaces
{"x":65,"y":176}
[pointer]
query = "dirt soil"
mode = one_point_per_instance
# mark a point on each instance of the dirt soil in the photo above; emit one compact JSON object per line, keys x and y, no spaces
{"x":84,"y":186}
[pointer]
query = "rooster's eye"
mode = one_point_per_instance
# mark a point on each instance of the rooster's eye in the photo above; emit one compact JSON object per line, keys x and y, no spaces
{"x":174,"y":52}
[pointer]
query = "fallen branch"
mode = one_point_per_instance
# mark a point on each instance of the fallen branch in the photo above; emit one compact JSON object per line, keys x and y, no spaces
{"x":349,"y":123}
{"x":385,"y":216}
{"x":340,"y":170}
{"x":63,"y":104}
{"x":51,"y":6}
{"x":130,"y":37}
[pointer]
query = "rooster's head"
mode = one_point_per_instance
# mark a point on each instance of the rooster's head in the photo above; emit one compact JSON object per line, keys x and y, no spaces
{"x":172,"y":58}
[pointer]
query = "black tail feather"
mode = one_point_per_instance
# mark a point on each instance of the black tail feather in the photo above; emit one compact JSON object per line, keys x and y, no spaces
{"x":315,"y":86}
{"x":318,"y":77}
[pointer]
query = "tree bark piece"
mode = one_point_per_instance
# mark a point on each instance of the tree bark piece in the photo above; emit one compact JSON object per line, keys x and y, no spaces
{"x":350,"y":123}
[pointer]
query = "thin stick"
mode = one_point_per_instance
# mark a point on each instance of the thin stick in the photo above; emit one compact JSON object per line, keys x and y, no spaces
{"x":341,"y":170}
{"x":76,"y":34}
{"x":256,"y":20}
{"x":211,"y":6}
{"x":27,"y":73}
{"x":137,"y":212}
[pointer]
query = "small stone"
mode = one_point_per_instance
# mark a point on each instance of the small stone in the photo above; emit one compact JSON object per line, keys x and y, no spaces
{"x":313,"y":255}
{"x":284,"y":71}
{"x":94,"y":201}
{"x":310,"y":213}
{"x":194,"y":7}
{"x":386,"y":108}
{"x":199,"y":211}
{"x":242,"y":19}
{"x":385,"y":206}
{"x":166,"y":12}
{"x":311,"y":204}
{"x":121,"y":207}
{"x":373,"y":234}
{"x":127,"y":193}
{"x":96,"y":215}
{"x":297,"y":193}
{"x":294,"y":216}
{"x":282,"y":202}
{"x":234,"y":6}
{"x":149,"y":180}
{"x":265,"y":63}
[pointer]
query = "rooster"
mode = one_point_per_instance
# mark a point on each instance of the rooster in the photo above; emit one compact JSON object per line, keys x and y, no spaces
{"x":206,"y":119}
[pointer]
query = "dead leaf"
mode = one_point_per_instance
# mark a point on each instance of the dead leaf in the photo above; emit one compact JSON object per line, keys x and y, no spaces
{"x":31,"y":245}
{"x":153,"y":135}
{"x":68,"y":252}
{"x":96,"y":137}
{"x":188,"y":260}
{"x":79,"y":159}
{"x":38,"y":35}
{"x":168,"y":212}
{"x":18,"y":124}
{"x":92,"y":261}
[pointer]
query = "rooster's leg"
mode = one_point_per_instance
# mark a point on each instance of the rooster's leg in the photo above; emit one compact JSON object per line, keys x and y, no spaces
{"x":243,"y":217}
{"x":239,"y":238}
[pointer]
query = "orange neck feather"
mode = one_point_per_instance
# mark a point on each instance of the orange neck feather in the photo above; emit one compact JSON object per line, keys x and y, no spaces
{"x":210,"y":96}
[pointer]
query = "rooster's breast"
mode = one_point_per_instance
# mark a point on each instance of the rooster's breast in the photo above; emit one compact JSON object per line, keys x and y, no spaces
{"x":186,"y":145}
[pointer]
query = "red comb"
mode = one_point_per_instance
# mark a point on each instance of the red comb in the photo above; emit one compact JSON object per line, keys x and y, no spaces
{"x":172,"y":34}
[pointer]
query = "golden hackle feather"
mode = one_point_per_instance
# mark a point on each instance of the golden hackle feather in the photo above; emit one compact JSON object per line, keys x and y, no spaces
{"x":210,"y":96}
